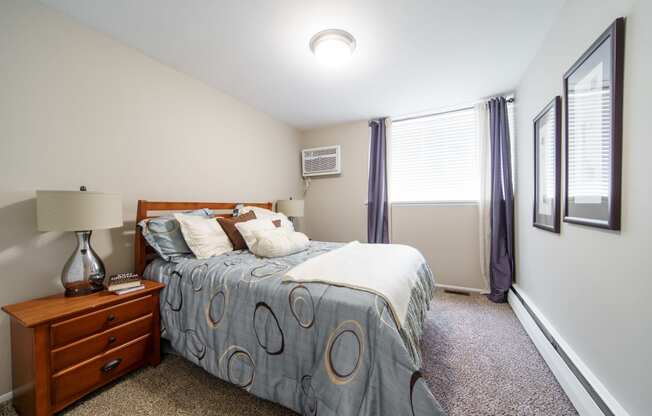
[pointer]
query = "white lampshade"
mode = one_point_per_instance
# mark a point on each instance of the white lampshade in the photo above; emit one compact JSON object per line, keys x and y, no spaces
{"x":291,"y":207}
{"x":77,"y":210}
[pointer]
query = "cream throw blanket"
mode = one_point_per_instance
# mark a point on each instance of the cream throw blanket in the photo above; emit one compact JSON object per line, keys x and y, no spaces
{"x":388,"y":270}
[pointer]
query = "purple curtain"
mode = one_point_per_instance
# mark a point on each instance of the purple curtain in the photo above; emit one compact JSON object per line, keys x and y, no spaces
{"x":501,"y":263}
{"x":377,"y":210}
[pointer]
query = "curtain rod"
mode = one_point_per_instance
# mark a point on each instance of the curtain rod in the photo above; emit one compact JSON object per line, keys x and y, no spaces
{"x":414,"y":116}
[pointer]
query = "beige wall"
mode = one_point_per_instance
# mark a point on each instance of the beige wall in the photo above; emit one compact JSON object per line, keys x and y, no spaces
{"x":78,"y":108}
{"x":335,"y":205}
{"x":447,"y":235}
{"x":593,"y":285}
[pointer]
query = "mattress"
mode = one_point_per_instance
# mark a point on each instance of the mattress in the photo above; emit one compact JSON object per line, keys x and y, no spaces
{"x":313,"y":347}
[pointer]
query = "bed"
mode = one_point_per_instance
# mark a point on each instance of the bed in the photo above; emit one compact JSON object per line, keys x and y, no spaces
{"x":314,"y":348}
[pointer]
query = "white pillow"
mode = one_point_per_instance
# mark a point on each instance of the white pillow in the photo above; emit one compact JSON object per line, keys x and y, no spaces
{"x":260,"y":212}
{"x":265,"y":213}
{"x":247,"y":229}
{"x":204,"y":236}
{"x":278,"y":242}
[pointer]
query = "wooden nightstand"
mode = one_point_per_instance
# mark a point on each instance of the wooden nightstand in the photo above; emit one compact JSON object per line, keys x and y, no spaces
{"x":63,"y":348}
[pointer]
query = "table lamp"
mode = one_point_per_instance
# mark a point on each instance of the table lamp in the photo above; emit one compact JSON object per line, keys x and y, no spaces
{"x":293,"y":208}
{"x":81,"y":212}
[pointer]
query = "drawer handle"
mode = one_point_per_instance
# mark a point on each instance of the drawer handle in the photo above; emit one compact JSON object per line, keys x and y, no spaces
{"x":112,"y":339}
{"x":110,"y":318}
{"x":111,"y":365}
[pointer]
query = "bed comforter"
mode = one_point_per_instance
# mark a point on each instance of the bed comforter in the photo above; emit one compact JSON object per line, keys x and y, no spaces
{"x":314,"y":348}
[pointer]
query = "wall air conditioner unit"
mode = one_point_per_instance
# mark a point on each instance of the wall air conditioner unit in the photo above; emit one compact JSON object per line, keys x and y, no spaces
{"x":321,"y":161}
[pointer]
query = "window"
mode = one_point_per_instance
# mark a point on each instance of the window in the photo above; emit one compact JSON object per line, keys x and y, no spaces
{"x":589,"y":164}
{"x":547,"y":159}
{"x":435,"y":158}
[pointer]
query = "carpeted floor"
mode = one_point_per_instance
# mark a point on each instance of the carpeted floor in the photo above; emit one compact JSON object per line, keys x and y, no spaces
{"x":478,"y":360}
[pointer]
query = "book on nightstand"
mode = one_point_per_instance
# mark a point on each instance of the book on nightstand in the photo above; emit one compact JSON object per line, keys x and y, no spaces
{"x":120,"y":283}
{"x":128,"y":290}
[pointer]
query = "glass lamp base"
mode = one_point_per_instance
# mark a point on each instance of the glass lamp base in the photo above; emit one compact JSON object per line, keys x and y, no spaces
{"x":84,"y":271}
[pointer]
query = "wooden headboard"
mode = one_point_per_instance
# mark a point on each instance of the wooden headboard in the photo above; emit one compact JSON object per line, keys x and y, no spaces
{"x":143,"y":253}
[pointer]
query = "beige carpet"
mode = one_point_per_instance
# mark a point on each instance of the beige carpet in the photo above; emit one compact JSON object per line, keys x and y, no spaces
{"x":478,"y":361}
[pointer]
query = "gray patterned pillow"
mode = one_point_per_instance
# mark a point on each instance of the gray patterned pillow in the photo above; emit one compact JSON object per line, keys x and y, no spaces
{"x":164,"y":234}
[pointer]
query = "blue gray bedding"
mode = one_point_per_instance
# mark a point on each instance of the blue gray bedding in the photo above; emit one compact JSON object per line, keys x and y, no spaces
{"x":314,"y":348}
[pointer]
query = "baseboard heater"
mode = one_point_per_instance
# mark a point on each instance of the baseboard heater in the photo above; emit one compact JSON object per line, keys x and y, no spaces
{"x":573,"y":368}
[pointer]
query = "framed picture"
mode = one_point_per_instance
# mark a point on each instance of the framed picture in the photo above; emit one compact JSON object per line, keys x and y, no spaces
{"x":547,"y":167}
{"x":593,"y":91}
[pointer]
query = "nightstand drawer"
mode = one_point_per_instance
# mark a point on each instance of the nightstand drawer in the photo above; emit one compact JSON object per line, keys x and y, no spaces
{"x":86,"y":348}
{"x":82,"y":326}
{"x":71,"y":383}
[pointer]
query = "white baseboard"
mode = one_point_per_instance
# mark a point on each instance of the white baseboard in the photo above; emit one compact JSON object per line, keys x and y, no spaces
{"x":6,"y":397}
{"x":574,"y":389}
{"x":461,"y":288}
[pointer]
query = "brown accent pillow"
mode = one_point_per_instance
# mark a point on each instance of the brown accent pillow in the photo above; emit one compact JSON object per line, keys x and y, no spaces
{"x":228,"y":225}
{"x":277,"y":223}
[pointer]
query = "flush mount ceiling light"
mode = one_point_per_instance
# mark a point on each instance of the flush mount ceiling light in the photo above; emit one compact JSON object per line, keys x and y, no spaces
{"x":332,"y":47}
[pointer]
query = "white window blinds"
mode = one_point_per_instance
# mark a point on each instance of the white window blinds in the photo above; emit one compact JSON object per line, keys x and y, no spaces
{"x":588,"y":152}
{"x":548,"y":157}
{"x":435,"y":158}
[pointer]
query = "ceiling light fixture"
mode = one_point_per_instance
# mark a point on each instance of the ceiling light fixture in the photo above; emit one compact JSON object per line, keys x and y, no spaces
{"x":332,"y":47}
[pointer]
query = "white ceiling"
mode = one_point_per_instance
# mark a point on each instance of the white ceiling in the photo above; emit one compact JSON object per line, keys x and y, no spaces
{"x":411,"y":56}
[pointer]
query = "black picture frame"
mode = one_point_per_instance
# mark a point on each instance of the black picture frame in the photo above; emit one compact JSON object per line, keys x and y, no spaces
{"x":549,"y":221}
{"x":591,"y":199}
